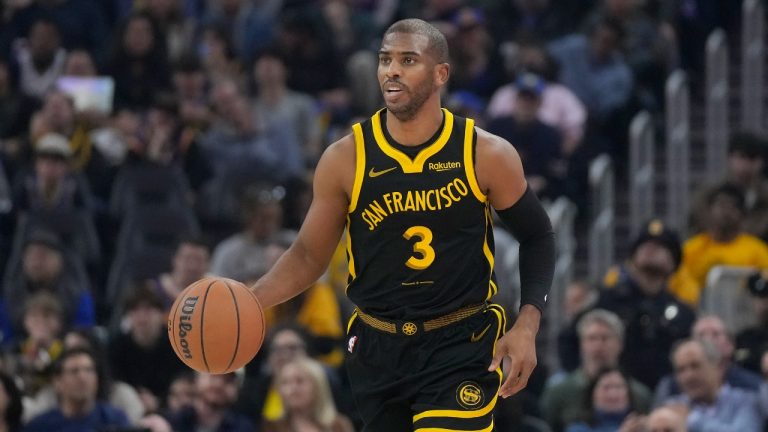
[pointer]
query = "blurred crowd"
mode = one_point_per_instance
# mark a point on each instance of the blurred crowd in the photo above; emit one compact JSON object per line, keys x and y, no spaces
{"x":145,"y":144}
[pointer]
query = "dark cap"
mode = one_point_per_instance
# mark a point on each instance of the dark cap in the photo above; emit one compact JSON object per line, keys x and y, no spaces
{"x":757,"y":284}
{"x":530,"y":83}
{"x":656,"y":231}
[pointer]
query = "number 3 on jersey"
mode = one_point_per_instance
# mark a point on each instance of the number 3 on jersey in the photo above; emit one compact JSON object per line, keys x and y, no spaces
{"x":421,"y":247}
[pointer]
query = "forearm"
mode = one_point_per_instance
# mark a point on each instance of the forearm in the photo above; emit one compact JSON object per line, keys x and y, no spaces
{"x":530,"y":224}
{"x":294,"y":272}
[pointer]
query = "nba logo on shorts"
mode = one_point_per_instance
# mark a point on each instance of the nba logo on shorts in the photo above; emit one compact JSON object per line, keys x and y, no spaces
{"x":351,"y":344}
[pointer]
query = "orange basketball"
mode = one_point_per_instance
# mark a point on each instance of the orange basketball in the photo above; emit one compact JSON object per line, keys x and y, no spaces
{"x":216,"y":325}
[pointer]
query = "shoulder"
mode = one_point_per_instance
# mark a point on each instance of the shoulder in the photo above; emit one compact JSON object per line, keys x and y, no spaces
{"x":112,"y":414}
{"x":45,"y":420}
{"x":342,"y":424}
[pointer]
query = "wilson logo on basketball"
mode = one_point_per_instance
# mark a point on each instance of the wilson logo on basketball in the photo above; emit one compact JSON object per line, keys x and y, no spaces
{"x":185,"y":324}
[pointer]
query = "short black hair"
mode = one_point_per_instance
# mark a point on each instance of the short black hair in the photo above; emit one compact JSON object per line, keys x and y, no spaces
{"x":58,"y":365}
{"x":730,"y":190}
{"x":749,"y":144}
{"x":143,"y":293}
{"x":438,"y":45}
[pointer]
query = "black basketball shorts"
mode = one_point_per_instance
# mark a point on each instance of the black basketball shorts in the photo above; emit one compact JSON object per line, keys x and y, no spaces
{"x":429,"y":380}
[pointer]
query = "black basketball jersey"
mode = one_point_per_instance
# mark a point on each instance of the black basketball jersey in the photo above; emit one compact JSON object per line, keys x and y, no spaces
{"x":419,"y":230}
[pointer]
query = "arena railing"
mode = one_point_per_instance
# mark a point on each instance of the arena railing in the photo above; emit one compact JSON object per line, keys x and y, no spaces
{"x":717,"y":103}
{"x":725,"y":295}
{"x":678,"y":151}
{"x":752,"y":65}
{"x":602,"y":220}
{"x":642,"y":154}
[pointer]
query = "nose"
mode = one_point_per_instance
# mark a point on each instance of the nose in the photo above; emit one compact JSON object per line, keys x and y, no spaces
{"x":393,"y":70}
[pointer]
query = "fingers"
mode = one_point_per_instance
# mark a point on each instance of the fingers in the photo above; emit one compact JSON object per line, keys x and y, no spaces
{"x":517,"y":378}
{"x":496,"y":362}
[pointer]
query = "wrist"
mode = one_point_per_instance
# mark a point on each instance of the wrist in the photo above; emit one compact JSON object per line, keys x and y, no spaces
{"x":528,"y":318}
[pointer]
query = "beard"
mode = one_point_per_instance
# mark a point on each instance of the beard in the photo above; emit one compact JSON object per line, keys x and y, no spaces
{"x":407,"y":111}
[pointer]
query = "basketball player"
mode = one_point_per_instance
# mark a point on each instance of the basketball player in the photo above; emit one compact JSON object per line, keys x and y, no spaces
{"x":413,"y":186}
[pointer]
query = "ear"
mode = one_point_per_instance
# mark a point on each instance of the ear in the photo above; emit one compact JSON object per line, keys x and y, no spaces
{"x":442,"y":73}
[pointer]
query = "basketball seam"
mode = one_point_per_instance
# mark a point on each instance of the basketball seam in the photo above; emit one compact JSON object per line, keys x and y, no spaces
{"x":237,"y":315}
{"x":202,"y":326}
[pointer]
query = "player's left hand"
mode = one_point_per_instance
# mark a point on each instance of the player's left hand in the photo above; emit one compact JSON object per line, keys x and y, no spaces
{"x":517,"y":348}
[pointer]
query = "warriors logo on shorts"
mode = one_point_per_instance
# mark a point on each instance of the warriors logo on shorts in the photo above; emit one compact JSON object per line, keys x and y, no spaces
{"x":469,"y":395}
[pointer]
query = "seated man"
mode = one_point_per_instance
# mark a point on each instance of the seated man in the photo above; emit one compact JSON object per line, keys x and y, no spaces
{"x":601,"y":337}
{"x":709,"y":404}
{"x":211,"y":408}
{"x":78,"y":409}
{"x":712,"y":328}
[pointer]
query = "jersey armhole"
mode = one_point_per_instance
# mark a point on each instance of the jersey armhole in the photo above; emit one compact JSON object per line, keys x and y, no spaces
{"x":470,"y":143}
{"x":357,"y":132}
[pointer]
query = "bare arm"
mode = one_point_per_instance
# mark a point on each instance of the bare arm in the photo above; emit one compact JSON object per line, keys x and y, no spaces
{"x":307,"y":258}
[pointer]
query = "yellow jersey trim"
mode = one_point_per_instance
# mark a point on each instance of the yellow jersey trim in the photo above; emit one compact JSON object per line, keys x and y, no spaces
{"x":469,"y":163}
{"x":457,"y":413}
{"x":357,"y":130}
{"x":492,"y":289}
{"x":350,"y":255}
{"x":417,"y":164}
{"x":351,"y":321}
{"x":488,"y":429}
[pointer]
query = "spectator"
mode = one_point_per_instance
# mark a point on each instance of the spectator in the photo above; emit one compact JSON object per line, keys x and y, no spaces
{"x":211,"y":407}
{"x":744,"y":170}
{"x":560,"y":108}
{"x":542,"y":19}
{"x":306,"y":395}
{"x":638,"y":291}
{"x":752,"y":342}
{"x":80,"y":64}
{"x":189,"y":83}
{"x":11,"y":407}
{"x":243,"y":256}
{"x":260,"y":397}
{"x":712,"y":329}
{"x":251,"y":25}
{"x":592,"y":66}
{"x":609,"y":405}
{"x":45,"y":268}
{"x":217,"y":55}
{"x":707,"y":403}
{"x":723,"y":243}
{"x":42,"y":344}
{"x":601,"y":336}
{"x":142,"y":356}
{"x":277,"y":104}
{"x":139,"y":64}
{"x":177,"y":28}
{"x":190,"y":263}
{"x":80,"y":23}
{"x":78,"y":408}
{"x":58,"y":115}
{"x":539,"y":145}
{"x":474,"y":66}
{"x":664,"y":419}
{"x":117,"y":393}
{"x":181,"y":392}
{"x":51,"y":185}
{"x":238,"y":148}
{"x":40,"y":58}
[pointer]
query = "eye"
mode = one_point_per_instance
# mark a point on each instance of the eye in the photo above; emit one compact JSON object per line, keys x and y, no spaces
{"x":409,"y":60}
{"x":385,"y":60}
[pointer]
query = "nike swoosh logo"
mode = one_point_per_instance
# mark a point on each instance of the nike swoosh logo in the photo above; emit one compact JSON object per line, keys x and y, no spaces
{"x":373,"y":173}
{"x":480,"y":336}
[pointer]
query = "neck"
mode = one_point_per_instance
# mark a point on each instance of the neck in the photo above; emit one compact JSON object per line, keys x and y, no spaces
{"x":724,"y":235}
{"x":72,"y":408}
{"x":208,"y":415}
{"x":418,"y":129}
{"x":272,"y":93}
